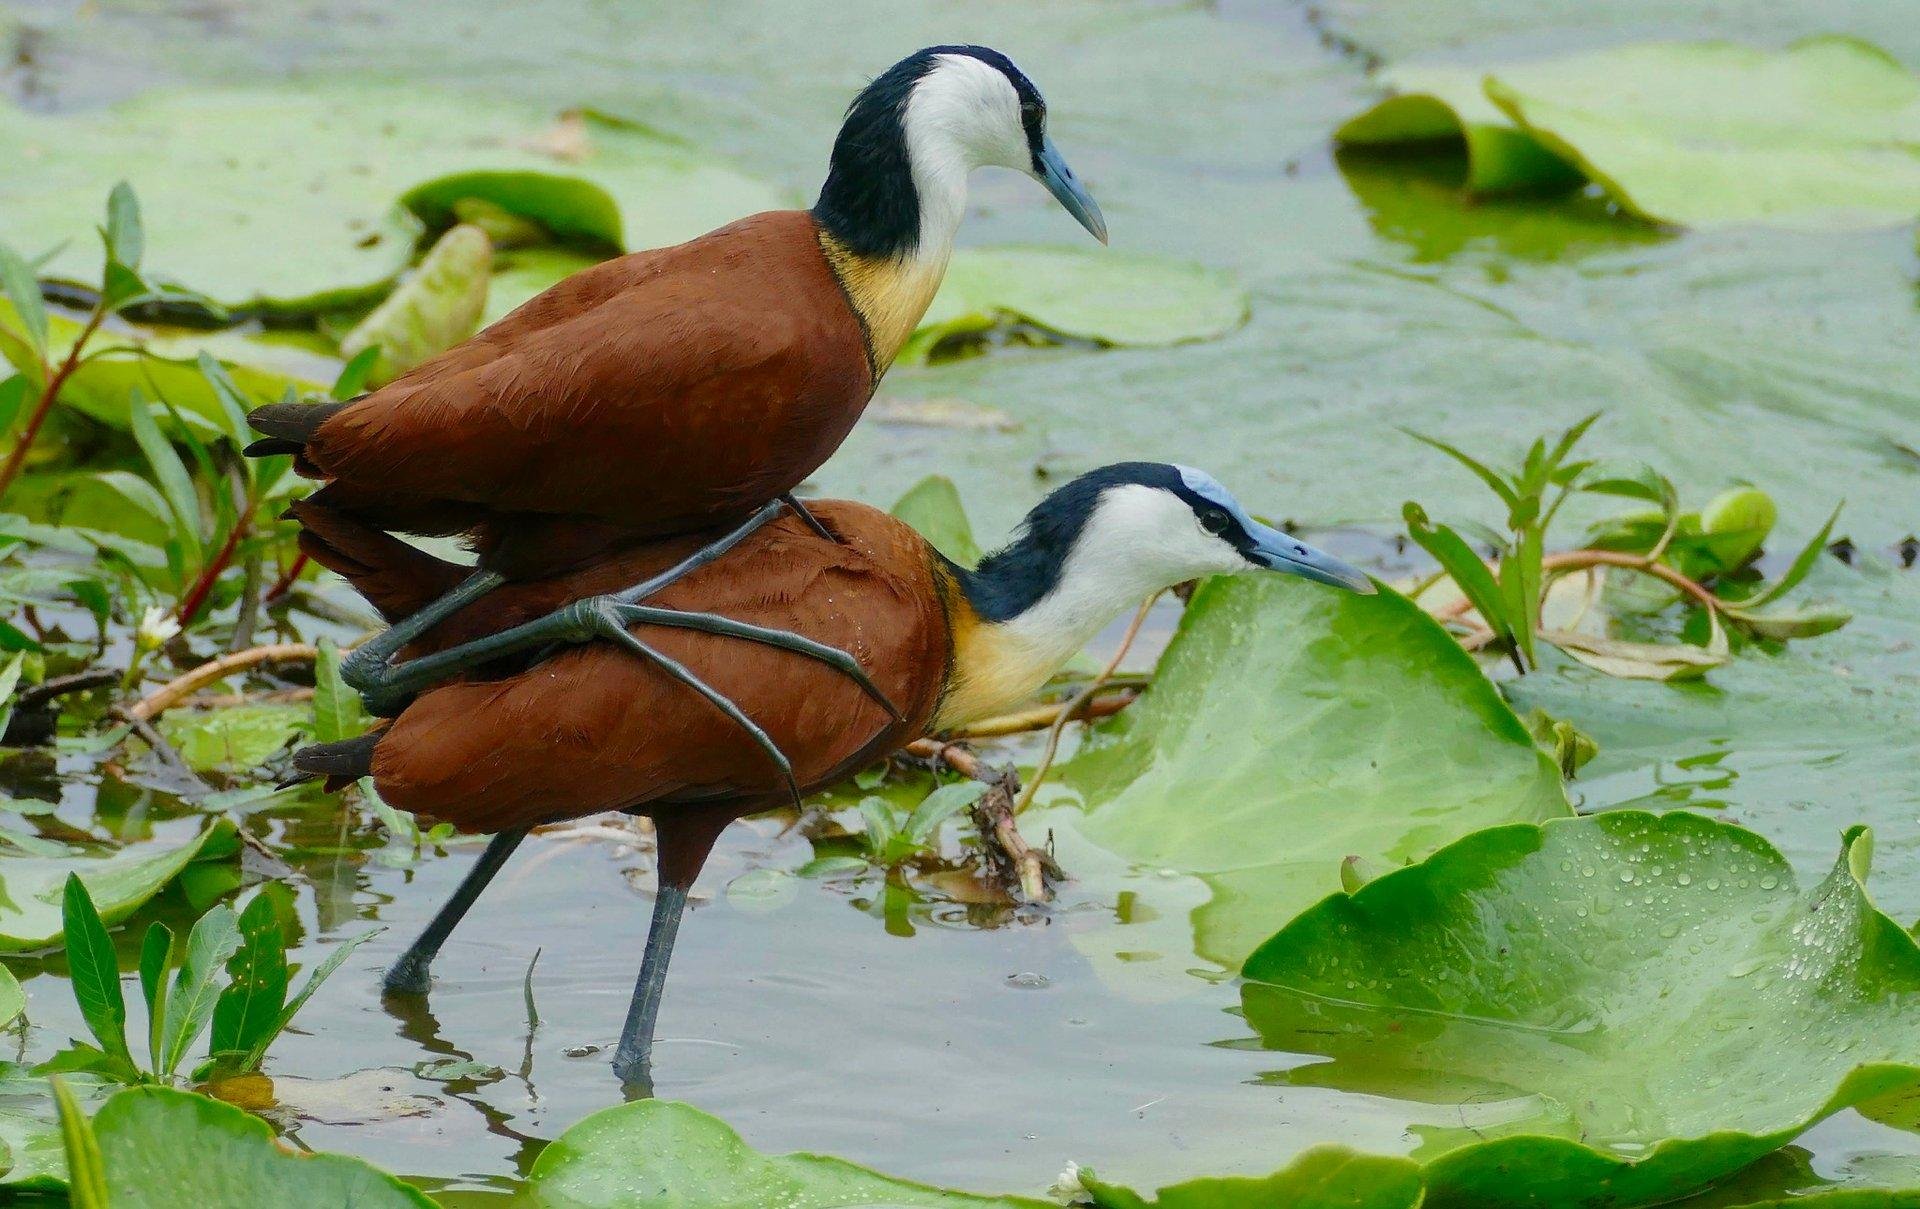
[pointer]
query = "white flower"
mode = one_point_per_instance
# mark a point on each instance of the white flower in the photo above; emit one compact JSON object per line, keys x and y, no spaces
{"x":1067,"y":1188}
{"x":157,"y":627}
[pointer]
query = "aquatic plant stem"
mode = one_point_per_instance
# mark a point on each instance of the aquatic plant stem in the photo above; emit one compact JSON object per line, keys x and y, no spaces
{"x":1040,"y":717}
{"x":1023,"y":868}
{"x":284,"y":584}
{"x":17,"y":458}
{"x":178,"y":689}
{"x":1080,"y":699}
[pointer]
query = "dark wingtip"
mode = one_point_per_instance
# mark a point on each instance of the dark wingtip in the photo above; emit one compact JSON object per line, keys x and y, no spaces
{"x":349,"y":758}
{"x":266,"y":447}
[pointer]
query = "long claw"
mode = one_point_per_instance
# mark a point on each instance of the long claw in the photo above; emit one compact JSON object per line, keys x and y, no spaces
{"x":785,"y":640}
{"x":812,"y":522}
{"x":617,"y":633}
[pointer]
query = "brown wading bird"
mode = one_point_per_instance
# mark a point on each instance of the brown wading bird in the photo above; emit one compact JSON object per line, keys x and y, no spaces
{"x":672,"y":391}
{"x":517,"y":743}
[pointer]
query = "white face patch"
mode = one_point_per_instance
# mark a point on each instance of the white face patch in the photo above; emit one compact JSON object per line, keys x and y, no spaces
{"x":963,"y":115}
{"x":1138,"y":540}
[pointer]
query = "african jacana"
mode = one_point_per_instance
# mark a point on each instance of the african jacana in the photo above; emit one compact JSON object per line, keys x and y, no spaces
{"x":586,"y":730}
{"x":668,"y":391}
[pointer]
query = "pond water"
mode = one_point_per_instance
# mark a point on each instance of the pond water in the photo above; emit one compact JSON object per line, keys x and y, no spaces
{"x":971,"y":1045}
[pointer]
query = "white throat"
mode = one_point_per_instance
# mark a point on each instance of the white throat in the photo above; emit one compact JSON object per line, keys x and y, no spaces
{"x":963,"y":115}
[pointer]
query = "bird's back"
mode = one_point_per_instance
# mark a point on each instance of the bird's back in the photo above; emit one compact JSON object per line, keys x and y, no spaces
{"x":658,"y":392}
{"x":597,"y":728}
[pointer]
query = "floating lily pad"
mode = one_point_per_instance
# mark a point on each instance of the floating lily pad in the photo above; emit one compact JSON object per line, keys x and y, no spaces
{"x":166,"y":1148}
{"x":32,"y":1153}
{"x":1822,"y":135}
{"x":1638,"y":1004}
{"x":289,"y":199}
{"x":1290,"y":726}
{"x":31,"y":886}
{"x":1445,"y":103}
{"x":656,"y":1154}
{"x":1326,"y":1177}
{"x":1098,"y":296}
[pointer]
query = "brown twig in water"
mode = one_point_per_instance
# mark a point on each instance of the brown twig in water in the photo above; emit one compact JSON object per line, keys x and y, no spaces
{"x":176,"y":690}
{"x":1080,"y":699}
{"x":1040,"y":717}
{"x":1582,"y":560}
{"x":1016,"y":864}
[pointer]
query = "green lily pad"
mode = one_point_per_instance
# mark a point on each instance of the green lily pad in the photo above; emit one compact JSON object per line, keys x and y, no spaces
{"x":657,"y":1153}
{"x":1822,"y":135}
{"x":32,"y":1154}
{"x":1326,"y":1177}
{"x":934,"y":510}
{"x":1098,"y":295}
{"x":1290,"y":726}
{"x":31,"y":886}
{"x":236,"y":738}
{"x":289,"y":199}
{"x":1636,"y":1004}
{"x":165,"y":1148}
{"x":1432,"y":104}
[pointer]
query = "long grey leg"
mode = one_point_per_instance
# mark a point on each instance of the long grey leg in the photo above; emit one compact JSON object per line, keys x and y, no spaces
{"x":410,"y":974}
{"x":633,"y":1059}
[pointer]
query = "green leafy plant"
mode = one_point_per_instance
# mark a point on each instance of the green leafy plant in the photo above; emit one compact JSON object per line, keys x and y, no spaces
{"x":232,"y":974}
{"x":45,"y":371}
{"x":1702,"y":557}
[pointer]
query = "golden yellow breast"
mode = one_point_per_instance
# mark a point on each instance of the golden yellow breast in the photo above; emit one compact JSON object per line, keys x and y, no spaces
{"x":890,"y":294}
{"x":992,"y":671}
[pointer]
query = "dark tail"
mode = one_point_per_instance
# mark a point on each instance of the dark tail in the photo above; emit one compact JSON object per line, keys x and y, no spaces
{"x":396,"y":578}
{"x":288,"y":426}
{"x":341,"y":763}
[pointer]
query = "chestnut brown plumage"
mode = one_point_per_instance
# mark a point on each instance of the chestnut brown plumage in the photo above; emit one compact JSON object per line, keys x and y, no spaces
{"x":659,"y":392}
{"x":671,"y":391}
{"x":516,"y":743}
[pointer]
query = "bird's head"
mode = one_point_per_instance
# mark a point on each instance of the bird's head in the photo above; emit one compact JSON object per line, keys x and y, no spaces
{"x":914,"y":134}
{"x":1133,"y":528}
{"x":1095,"y":547}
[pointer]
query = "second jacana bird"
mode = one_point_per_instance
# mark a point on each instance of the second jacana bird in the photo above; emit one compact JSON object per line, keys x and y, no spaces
{"x":670,"y":391}
{"x":513,"y":746}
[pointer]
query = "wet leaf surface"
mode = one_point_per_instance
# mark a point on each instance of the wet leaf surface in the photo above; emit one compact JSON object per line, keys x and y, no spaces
{"x":1651,"y":1002}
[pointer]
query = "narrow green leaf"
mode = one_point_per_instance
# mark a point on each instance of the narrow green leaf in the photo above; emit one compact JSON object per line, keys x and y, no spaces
{"x":9,"y":680}
{"x":22,"y":289}
{"x":94,"y":971}
{"x":1520,"y":589}
{"x":213,"y":940}
{"x":353,"y":375}
{"x":337,"y":713}
{"x":13,"y":1000}
{"x":155,"y":950}
{"x":878,"y":817}
{"x":939,"y":806}
{"x":126,"y":238}
{"x":13,"y":638}
{"x":1466,"y":569}
{"x":1801,"y":567}
{"x":321,"y":973}
{"x":257,"y":981}
{"x":86,"y":1173}
{"x":1568,"y":440}
{"x":138,"y":492}
{"x":121,"y":286}
{"x":13,"y":395}
{"x":1486,"y":474}
{"x":176,"y":485}
{"x":234,"y":404}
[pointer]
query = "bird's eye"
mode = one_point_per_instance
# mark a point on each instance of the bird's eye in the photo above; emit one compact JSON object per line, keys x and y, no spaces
{"x":1214,"y":521}
{"x":1031,"y":112}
